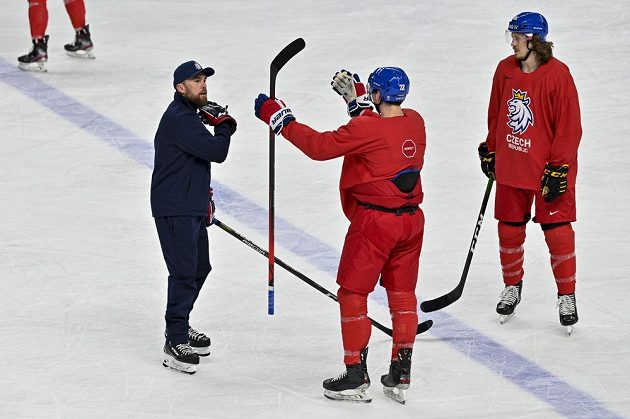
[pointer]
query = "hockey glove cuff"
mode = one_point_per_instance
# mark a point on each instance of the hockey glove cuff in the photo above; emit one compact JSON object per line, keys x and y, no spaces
{"x":554,"y":181}
{"x":273,"y":112}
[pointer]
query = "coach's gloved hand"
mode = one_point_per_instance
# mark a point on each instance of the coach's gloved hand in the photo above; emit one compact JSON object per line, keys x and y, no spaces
{"x":273,"y":112}
{"x":353,"y":91}
{"x":554,"y":181}
{"x":487,"y":160}
{"x":214,"y":114}
{"x":211,"y":208}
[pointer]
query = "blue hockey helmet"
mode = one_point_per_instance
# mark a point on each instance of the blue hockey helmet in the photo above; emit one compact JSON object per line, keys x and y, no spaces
{"x":528,"y":23}
{"x":392,"y":82}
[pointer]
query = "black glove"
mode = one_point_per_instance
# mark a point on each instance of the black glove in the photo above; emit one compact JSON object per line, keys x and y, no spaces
{"x":487,"y":160}
{"x":214,"y":114}
{"x":554,"y":181}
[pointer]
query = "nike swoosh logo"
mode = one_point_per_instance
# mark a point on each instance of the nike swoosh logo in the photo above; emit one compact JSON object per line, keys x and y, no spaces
{"x":552,"y":212}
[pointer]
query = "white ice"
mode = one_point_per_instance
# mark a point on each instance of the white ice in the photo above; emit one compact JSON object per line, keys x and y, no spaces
{"x":83,"y":282}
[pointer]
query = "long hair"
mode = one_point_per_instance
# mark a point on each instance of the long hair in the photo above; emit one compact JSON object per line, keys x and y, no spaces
{"x":543,"y":49}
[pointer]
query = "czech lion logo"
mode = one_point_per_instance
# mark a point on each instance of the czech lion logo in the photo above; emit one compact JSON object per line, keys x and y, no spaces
{"x":520,"y":115}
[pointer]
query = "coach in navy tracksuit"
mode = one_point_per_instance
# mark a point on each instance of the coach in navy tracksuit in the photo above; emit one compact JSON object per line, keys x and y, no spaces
{"x":180,"y":200}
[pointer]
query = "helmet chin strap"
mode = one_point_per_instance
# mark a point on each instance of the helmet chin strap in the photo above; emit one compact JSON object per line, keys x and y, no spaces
{"x":529,"y":51}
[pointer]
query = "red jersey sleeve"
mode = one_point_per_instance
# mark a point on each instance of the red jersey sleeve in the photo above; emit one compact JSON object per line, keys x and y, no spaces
{"x":494,"y":106}
{"x":354,"y":137}
{"x":568,"y":129}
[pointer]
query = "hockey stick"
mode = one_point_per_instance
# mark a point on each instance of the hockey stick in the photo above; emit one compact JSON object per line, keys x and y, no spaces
{"x":422,"y":327}
{"x":281,"y":59}
{"x":451,"y":297}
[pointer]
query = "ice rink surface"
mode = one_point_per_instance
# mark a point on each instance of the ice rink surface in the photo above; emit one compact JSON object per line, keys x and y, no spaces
{"x":83,"y":282}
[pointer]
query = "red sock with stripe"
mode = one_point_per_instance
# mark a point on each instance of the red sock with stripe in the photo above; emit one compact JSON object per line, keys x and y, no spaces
{"x":355,"y":325}
{"x":403,"y":307}
{"x":38,"y":18}
{"x":76,"y":11}
{"x":561,"y":244}
{"x":511,"y":252}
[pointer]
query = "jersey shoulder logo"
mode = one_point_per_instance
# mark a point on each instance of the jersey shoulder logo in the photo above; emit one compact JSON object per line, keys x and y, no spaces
{"x":520,"y":115}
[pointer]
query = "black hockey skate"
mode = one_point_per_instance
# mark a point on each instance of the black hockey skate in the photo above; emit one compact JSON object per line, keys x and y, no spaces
{"x":36,"y":59}
{"x":351,"y":384}
{"x":82,"y":46}
{"x":399,"y":377}
{"x":199,"y":342}
{"x":180,"y":357}
{"x":509,"y":299}
{"x":567,"y":311}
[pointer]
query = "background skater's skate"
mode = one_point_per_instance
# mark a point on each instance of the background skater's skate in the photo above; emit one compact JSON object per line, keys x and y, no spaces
{"x":82,"y":46}
{"x":351,"y":384}
{"x":399,"y":377}
{"x":509,"y":299}
{"x":567,"y":311}
{"x":180,"y":357}
{"x":36,"y":59}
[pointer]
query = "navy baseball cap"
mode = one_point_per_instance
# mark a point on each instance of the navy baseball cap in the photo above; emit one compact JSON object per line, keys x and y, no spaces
{"x":189,"y":69}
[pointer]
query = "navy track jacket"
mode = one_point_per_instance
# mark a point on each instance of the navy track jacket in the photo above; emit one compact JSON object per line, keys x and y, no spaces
{"x":184,"y":149}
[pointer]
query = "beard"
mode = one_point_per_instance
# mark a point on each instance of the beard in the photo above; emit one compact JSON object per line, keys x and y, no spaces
{"x":197,"y":100}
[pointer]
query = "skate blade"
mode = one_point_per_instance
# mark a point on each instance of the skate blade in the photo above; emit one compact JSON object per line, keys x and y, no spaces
{"x":358,"y":396}
{"x":179,"y":366}
{"x":395,"y":393}
{"x":201,"y":351}
{"x":89,"y":55}
{"x":505,"y":317}
{"x":39,"y":67}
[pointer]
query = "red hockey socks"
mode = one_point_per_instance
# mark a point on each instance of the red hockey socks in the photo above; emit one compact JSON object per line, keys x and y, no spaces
{"x":403,"y":307}
{"x":511,"y":252}
{"x":355,"y":325}
{"x":76,"y":11}
{"x":561,"y":244}
{"x":38,"y":18}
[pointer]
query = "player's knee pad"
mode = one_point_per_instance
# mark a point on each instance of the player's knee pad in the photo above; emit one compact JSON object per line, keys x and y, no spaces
{"x":351,"y":304}
{"x":511,"y":235}
{"x":402,"y":301}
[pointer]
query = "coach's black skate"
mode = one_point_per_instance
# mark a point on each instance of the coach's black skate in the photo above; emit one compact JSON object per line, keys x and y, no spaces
{"x":180,"y":357}
{"x":199,"y":342}
{"x":509,"y":299}
{"x":399,"y":377}
{"x":82,"y":46}
{"x":567,"y":311}
{"x":351,"y":384}
{"x":36,"y":59}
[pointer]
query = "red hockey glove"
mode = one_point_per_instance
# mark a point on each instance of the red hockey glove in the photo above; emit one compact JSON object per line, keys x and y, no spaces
{"x":273,"y":112}
{"x":214,"y":114}
{"x":554,"y":181}
{"x":353,"y":91}
{"x":487,"y":160}
{"x":211,"y":208}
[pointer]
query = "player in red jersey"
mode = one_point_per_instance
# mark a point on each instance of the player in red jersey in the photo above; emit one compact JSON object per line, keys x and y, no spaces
{"x":534,"y":131}
{"x":38,"y":18}
{"x":380,"y":194}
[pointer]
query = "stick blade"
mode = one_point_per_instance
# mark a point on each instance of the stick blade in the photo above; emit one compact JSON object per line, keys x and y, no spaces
{"x":424,"y":326}
{"x":286,"y":54}
{"x":439,"y":303}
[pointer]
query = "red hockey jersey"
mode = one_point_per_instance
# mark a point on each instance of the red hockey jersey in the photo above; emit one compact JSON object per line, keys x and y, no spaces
{"x":533,"y":119}
{"x":376,"y":149}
